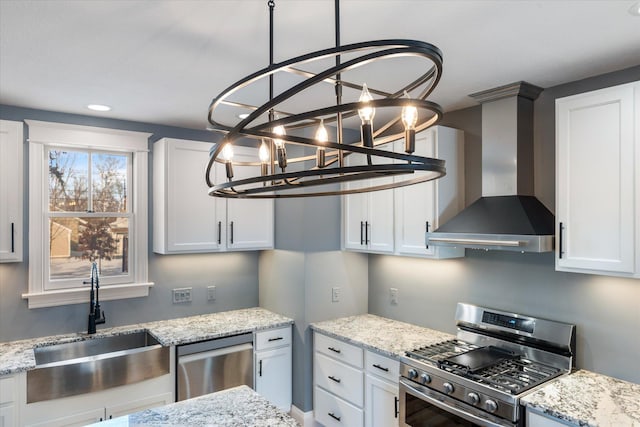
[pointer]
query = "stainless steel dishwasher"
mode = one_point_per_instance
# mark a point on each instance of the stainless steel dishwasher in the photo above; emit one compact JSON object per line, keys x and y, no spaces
{"x":208,"y":366}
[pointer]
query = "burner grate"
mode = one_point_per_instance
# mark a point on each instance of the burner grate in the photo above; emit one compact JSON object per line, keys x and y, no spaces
{"x":436,"y":353}
{"x":515,"y":376}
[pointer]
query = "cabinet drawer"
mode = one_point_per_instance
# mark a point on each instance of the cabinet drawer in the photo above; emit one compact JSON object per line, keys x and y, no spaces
{"x":338,"y":350}
{"x":382,"y":366}
{"x":331,"y":411}
{"x":273,"y":338}
{"x":340,"y":379}
{"x":7,"y":387}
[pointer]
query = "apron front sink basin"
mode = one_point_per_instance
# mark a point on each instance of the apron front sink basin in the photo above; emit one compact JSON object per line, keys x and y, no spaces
{"x":95,"y":364}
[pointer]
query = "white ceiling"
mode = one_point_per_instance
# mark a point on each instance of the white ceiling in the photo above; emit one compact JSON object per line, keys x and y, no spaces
{"x":161,"y":61}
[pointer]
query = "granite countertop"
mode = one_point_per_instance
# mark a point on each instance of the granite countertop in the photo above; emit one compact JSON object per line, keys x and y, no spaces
{"x":18,"y":356}
{"x":234,"y":407}
{"x":385,"y":336}
{"x":588,"y":399}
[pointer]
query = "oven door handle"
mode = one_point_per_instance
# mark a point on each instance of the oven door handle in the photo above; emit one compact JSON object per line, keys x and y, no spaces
{"x":411,"y":389}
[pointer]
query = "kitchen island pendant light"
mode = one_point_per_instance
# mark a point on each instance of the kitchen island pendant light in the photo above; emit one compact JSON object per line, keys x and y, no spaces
{"x":289,"y":118}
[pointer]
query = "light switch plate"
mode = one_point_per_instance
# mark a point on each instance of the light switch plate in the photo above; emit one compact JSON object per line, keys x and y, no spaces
{"x":393,"y":295}
{"x":335,"y":294}
{"x":211,"y":293}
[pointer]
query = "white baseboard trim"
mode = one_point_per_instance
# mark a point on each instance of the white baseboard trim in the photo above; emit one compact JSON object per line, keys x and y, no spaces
{"x":305,"y":419}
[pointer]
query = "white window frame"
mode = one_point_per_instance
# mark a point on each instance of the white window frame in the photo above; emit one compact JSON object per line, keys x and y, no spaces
{"x":45,"y":135}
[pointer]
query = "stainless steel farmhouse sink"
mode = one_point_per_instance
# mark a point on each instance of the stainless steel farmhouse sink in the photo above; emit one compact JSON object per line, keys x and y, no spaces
{"x":95,"y":364}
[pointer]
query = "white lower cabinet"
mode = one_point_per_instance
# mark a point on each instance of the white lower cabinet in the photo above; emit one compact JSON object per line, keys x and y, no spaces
{"x":353,"y":387}
{"x":9,"y":401}
{"x":535,"y":419}
{"x":382,"y":399}
{"x":273,"y":365}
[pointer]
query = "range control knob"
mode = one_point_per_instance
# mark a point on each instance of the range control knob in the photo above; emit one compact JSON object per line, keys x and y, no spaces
{"x":425,"y":379}
{"x":491,"y":406}
{"x":473,"y":398}
{"x":448,"y":388}
{"x":413,"y":373}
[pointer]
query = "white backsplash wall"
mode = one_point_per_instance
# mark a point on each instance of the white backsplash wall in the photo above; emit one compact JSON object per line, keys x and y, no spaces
{"x":605,"y":310}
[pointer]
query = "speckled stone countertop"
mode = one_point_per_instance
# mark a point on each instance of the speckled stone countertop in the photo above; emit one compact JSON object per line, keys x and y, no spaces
{"x":385,"y":336}
{"x":237,"y":407}
{"x":588,"y":399}
{"x":17,"y":356}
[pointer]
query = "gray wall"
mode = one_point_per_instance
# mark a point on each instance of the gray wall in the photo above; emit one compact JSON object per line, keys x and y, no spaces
{"x":605,"y":309}
{"x":296,"y":278}
{"x":234,"y":274}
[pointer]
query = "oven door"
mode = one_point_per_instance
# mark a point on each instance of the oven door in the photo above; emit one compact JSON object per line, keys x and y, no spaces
{"x":421,"y":407}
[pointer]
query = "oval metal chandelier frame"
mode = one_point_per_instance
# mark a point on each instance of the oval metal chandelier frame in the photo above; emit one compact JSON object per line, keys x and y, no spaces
{"x":282,"y":184}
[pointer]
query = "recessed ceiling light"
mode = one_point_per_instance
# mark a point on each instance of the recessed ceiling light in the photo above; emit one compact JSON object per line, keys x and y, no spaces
{"x":98,"y":107}
{"x":635,"y":9}
{"x":243,"y":116}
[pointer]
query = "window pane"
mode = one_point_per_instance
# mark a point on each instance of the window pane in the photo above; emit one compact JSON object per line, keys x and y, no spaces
{"x":68,"y":181}
{"x":109,"y":182}
{"x":75,"y":242}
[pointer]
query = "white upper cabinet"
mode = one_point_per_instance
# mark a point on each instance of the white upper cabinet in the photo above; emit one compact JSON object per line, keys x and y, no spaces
{"x":424,"y":207}
{"x":598,"y":182}
{"x":367,"y":217}
{"x":11,"y":190}
{"x":395,"y":221}
{"x":187,"y":220}
{"x":249,"y":223}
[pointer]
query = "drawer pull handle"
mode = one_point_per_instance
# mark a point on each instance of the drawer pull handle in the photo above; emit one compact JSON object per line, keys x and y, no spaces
{"x":382,"y":368}
{"x":332,"y":378}
{"x":260,"y":368}
{"x":219,"y":232}
{"x":335,"y":350}
{"x":231,"y":232}
{"x":275,"y":339}
{"x":332,"y":415}
{"x":13,"y":238}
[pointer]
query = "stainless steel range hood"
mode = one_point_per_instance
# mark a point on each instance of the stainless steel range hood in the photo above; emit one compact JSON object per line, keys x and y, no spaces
{"x":507,"y":216}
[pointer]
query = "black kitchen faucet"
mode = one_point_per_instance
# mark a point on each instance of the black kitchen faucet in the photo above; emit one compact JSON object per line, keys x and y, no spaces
{"x":96,"y":315}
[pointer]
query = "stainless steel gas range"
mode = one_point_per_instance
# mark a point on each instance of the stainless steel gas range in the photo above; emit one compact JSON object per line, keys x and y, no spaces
{"x":478,"y":378}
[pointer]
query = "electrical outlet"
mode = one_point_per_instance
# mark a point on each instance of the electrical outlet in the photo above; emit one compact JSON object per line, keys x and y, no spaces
{"x":393,"y":295}
{"x":211,"y":293}
{"x":181,"y":295}
{"x":335,"y":294}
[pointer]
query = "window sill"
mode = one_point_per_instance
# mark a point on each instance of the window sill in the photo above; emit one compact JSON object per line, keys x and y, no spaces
{"x":81,"y":295}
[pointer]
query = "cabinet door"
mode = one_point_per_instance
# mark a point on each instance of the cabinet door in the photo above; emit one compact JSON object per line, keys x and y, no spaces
{"x":192,"y":225}
{"x":249,"y":222}
{"x":7,"y":416}
{"x":138,"y":405}
{"x":273,"y":376}
{"x":354,"y":211}
{"x":11,"y":190}
{"x":537,"y":420}
{"x":368,"y":217}
{"x":381,"y":403}
{"x":78,"y":419}
{"x":417,"y":205}
{"x":595,"y":181}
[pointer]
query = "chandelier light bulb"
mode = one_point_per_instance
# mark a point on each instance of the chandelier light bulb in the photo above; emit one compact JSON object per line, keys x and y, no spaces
{"x":227,"y":156}
{"x":366,"y":113}
{"x":263,"y":152}
{"x":279,"y":130}
{"x":227,"y":152}
{"x":409,"y":118}
{"x":409,"y":115}
{"x":322,"y":136}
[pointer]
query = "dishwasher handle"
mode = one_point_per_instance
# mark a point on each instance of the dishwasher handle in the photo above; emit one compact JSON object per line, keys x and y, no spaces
{"x":183,"y":360}
{"x":213,"y":344}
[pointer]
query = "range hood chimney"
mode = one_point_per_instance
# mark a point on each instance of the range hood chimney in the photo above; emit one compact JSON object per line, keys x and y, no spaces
{"x":508,"y":216}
